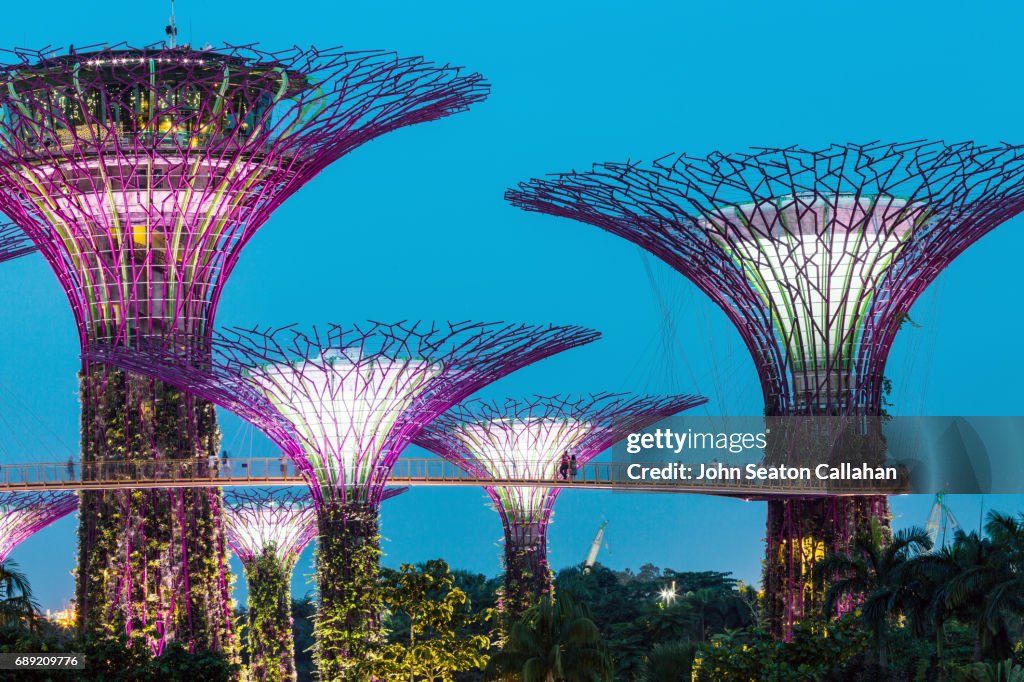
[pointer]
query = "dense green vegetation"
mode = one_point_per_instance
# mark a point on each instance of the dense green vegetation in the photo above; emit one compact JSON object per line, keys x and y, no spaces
{"x":911,"y":613}
{"x":348,"y":553}
{"x":150,"y":561}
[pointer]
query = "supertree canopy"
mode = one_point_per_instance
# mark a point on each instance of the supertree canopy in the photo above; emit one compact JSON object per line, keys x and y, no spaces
{"x":24,"y":514}
{"x":13,"y":243}
{"x":816,"y":257}
{"x":526,"y":440}
{"x":270,"y":522}
{"x":140,"y":173}
{"x":268,"y":529}
{"x":343,"y":404}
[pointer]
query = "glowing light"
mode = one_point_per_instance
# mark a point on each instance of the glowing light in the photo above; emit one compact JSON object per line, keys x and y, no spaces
{"x":527,"y":439}
{"x":344,"y":407}
{"x":263,"y":520}
{"x":529,"y":449}
{"x":668,"y":594}
{"x":816,"y":262}
{"x":816,"y":255}
{"x":200,"y":167}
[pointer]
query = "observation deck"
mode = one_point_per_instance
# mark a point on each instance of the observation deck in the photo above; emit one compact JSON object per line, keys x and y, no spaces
{"x":426,"y":471}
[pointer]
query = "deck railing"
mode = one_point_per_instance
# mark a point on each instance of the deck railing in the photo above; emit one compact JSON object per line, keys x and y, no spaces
{"x":426,"y":471}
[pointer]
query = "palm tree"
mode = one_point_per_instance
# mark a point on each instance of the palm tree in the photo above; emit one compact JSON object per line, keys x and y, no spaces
{"x":988,"y":588}
{"x":670,"y":662}
{"x":1001,"y":671}
{"x":926,"y":589}
{"x":555,"y":641}
{"x":875,"y":573}
{"x":17,"y":606}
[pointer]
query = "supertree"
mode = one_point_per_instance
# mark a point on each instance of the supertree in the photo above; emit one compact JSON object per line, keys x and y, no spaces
{"x":816,"y":257}
{"x":25,"y":514}
{"x":268,"y":529}
{"x":140,"y":173}
{"x":13,"y":243}
{"x":526,"y":440}
{"x":343,"y":404}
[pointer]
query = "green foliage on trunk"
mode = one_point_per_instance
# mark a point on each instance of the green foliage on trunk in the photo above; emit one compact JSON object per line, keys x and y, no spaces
{"x":152,"y":563}
{"x":527,"y":578}
{"x":269,"y":642}
{"x":347,"y":577}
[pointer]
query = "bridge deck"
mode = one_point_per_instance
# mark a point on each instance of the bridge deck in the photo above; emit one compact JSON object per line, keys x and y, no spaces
{"x":271,"y":471}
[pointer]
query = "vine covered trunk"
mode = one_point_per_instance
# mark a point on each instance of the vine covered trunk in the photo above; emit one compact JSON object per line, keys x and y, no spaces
{"x":527,"y":574}
{"x":348,"y":572}
{"x":800,"y":533}
{"x":152,"y":563}
{"x":269,"y":641}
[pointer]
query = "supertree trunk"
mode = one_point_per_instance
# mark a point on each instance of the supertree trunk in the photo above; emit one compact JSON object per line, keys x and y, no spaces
{"x":816,"y":256}
{"x":800,"y":533}
{"x":527,"y":574}
{"x":348,"y":573}
{"x":269,"y":640}
{"x":152,"y":563}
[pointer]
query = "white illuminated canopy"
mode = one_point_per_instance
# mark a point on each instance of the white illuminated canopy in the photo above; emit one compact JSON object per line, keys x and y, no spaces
{"x":344,"y":407}
{"x":817,"y":263}
{"x":270,"y":525}
{"x":522,"y":449}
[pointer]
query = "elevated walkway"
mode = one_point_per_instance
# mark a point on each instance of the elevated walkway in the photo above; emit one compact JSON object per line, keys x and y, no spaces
{"x":271,"y":471}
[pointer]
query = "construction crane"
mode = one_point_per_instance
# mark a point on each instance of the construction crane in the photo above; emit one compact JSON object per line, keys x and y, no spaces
{"x":940,"y":522}
{"x":594,"y":548}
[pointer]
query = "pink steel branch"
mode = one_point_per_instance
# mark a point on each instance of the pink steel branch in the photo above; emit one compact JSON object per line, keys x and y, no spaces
{"x":344,"y":403}
{"x":13,"y":243}
{"x":140,"y":173}
{"x":24,"y":514}
{"x":261,"y":519}
{"x":816,"y":256}
{"x":526,"y":439}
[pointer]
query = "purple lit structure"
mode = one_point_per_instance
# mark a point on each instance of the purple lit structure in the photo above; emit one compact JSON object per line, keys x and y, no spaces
{"x":13,"y":243}
{"x":526,"y":440}
{"x":140,"y":173}
{"x":25,"y":514}
{"x":816,"y":257}
{"x":344,"y":404}
{"x":268,"y":529}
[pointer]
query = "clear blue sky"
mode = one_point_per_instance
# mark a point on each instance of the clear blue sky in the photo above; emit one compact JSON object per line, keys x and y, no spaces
{"x":413,"y":226}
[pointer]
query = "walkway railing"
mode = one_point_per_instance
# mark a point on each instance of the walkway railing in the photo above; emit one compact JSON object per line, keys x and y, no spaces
{"x":272,"y":471}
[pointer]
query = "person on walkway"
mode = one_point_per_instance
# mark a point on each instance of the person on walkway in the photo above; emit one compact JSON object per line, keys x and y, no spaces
{"x":284,"y":467}
{"x":563,"y":468}
{"x":225,"y":464}
{"x":211,"y":464}
{"x":71,"y":467}
{"x":574,"y":466}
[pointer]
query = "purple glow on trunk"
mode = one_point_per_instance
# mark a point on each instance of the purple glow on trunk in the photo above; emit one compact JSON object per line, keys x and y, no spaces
{"x":816,"y":257}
